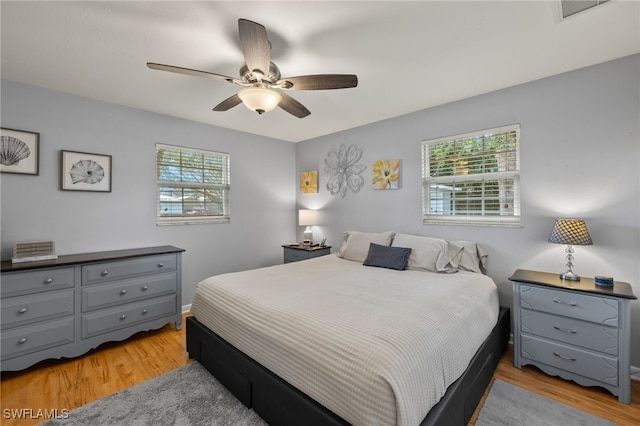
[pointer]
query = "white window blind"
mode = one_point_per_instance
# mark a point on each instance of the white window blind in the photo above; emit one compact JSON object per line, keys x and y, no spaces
{"x":472,"y":178}
{"x":193,"y":185}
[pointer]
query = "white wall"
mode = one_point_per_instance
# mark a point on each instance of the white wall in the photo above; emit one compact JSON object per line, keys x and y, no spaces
{"x":580,"y":156}
{"x":34,"y":208}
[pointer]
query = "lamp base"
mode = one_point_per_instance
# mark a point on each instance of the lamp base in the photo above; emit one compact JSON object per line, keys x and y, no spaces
{"x":570,"y":276}
{"x":308,"y":236}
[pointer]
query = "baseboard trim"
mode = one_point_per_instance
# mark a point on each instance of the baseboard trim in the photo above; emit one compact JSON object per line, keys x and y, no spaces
{"x":186,"y":308}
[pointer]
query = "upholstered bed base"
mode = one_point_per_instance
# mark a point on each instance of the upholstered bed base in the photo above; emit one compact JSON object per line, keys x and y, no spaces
{"x":278,"y":403}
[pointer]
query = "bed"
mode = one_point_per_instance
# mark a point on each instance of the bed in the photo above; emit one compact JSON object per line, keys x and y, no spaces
{"x":394,"y":329}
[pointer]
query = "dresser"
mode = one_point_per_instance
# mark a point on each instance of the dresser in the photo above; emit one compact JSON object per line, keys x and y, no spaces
{"x":65,"y":307}
{"x":577,"y":330}
{"x":295,"y":253}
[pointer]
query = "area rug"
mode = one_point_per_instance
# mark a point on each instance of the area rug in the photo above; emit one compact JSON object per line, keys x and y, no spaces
{"x":510,"y":405}
{"x":188,"y":396}
{"x":191,"y":396}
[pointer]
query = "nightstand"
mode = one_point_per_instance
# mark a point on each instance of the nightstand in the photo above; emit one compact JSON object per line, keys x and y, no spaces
{"x":577,"y":330}
{"x":301,"y":252}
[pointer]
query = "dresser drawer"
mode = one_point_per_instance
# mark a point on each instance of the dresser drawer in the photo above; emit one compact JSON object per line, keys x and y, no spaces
{"x":601,"y":310}
{"x":18,"y":283}
{"x":574,"y":360}
{"x":110,"y":319}
{"x":574,"y":332}
{"x":101,"y":296}
{"x":23,"y":340}
{"x":109,"y":271}
{"x":23,"y":310}
{"x":292,"y":255}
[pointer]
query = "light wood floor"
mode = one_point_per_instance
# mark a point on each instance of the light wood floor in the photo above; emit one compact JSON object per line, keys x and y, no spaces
{"x":68,"y":384}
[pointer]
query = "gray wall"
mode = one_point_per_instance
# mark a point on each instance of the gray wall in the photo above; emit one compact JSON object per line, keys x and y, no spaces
{"x":34,"y":208}
{"x":580,"y":152}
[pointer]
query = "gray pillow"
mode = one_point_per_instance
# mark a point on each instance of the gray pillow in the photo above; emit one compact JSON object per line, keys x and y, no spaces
{"x":387,"y":257}
{"x":356,"y":244}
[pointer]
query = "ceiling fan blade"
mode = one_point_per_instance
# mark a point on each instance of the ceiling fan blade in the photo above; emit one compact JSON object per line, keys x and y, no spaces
{"x":292,"y":106}
{"x":228,"y":103}
{"x":196,"y":73}
{"x":318,"y":82}
{"x":255,"y":45}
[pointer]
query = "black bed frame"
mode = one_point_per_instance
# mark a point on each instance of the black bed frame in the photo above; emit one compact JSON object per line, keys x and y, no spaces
{"x":279,"y":403}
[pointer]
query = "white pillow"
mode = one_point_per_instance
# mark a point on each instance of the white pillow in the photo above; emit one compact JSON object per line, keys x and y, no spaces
{"x":428,"y":254}
{"x":472,"y":258}
{"x":356,"y":244}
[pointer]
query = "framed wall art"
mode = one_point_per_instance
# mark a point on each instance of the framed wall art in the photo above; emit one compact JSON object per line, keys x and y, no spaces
{"x":81,"y":171}
{"x":309,"y":182}
{"x":19,"y":151}
{"x":386,"y":174}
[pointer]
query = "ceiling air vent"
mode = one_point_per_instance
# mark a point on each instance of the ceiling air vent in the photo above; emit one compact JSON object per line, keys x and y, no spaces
{"x":572,"y":7}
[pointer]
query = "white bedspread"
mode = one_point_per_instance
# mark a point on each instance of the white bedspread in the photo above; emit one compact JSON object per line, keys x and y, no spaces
{"x":375,"y":346}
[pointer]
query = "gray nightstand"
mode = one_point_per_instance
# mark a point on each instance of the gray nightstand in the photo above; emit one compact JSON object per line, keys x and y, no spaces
{"x":577,"y":330}
{"x":300,"y":252}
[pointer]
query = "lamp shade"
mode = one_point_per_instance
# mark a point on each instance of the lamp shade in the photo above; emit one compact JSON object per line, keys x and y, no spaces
{"x":307,"y":217}
{"x":570,"y":232}
{"x":260,"y":99}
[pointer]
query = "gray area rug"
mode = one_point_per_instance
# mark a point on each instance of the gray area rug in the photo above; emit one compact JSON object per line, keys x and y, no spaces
{"x":188,"y":396}
{"x":510,"y":405}
{"x":191,"y":396}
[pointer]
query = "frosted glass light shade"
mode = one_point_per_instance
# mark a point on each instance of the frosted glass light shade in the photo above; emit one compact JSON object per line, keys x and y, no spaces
{"x":259,"y":99}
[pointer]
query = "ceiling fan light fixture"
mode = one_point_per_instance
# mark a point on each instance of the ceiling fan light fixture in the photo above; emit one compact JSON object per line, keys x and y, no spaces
{"x":259,"y":98}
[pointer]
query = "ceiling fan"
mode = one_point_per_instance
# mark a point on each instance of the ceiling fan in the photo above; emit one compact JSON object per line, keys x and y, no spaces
{"x":260,"y":77}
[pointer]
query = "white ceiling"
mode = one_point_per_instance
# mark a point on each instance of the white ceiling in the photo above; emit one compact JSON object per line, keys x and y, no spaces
{"x":407,"y":55}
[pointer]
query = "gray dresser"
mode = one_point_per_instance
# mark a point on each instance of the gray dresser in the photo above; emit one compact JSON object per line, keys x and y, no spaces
{"x":574,"y":329}
{"x":65,"y":307}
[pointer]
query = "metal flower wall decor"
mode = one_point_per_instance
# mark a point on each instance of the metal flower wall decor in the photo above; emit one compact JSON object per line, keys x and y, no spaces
{"x":343,"y":170}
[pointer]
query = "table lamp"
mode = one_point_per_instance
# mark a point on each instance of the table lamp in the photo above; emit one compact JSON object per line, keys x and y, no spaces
{"x":307,"y":218}
{"x":570,"y":232}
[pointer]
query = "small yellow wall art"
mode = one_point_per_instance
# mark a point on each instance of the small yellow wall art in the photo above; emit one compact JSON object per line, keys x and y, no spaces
{"x":309,"y":182}
{"x":386,"y":174}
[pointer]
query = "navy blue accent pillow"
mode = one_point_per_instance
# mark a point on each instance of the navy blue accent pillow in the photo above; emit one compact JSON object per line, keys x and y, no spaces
{"x":387,"y":257}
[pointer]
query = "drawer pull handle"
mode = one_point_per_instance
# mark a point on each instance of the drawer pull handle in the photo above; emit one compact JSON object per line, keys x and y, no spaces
{"x":103,"y":273}
{"x":22,"y":310}
{"x":160,"y":265}
{"x":566,"y":330}
{"x":123,"y":291}
{"x":123,"y":316}
{"x":48,"y":281}
{"x":565,"y":303}
{"x":568,"y":358}
{"x":22,"y":341}
{"x":145,"y":288}
{"x":144,"y":311}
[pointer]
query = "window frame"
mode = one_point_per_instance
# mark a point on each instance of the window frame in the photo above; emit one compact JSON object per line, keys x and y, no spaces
{"x":511,"y":178}
{"x":225,"y":186}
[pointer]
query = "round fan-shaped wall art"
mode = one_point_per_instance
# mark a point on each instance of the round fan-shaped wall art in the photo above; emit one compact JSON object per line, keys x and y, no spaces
{"x":82,"y":171}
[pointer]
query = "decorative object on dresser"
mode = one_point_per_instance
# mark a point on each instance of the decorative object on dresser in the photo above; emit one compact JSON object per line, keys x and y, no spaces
{"x":296,"y":252}
{"x":307,"y":218}
{"x":570,"y":232}
{"x":19,"y":151}
{"x":34,"y":251}
{"x":81,"y":171}
{"x":576,"y":330}
{"x":67,"y":306}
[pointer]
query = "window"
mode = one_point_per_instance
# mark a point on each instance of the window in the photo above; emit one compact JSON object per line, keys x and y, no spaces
{"x":473,"y":178}
{"x":193,"y":185}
